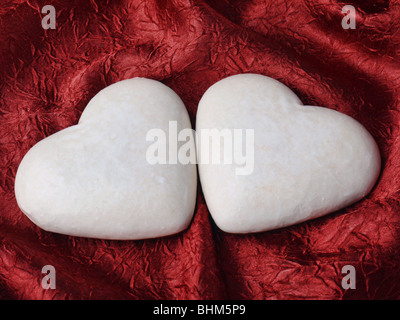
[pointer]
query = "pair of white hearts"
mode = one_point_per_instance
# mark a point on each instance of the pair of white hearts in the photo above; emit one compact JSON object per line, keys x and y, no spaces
{"x":93,"y":179}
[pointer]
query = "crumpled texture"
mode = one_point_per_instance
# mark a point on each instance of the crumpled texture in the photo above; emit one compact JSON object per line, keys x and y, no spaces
{"x":48,"y":77}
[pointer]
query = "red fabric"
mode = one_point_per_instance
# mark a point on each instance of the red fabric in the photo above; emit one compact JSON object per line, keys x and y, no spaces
{"x":48,"y":76}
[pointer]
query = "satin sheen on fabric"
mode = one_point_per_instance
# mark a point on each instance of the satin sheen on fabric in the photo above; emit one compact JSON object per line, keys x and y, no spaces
{"x":48,"y":77}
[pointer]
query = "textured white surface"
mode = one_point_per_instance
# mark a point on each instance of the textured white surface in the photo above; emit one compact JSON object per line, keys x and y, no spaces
{"x":308,"y":161}
{"x":93,"y":180}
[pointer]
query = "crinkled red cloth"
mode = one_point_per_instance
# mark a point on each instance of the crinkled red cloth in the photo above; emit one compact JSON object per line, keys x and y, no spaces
{"x":48,"y":77}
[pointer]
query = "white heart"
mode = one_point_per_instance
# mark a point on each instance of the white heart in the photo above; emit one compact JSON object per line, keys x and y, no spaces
{"x":93,"y":179}
{"x":308,"y":161}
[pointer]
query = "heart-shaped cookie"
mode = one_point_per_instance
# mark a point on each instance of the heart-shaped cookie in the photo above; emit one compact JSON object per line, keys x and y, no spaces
{"x":289,"y":162}
{"x":94,"y":179}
